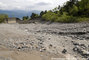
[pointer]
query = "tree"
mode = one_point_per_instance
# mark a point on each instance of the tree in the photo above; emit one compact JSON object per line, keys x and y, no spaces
{"x":42,"y":13}
{"x":71,"y":11}
{"x":3,"y":17}
{"x":34,"y":15}
{"x":50,"y":16}
{"x":74,"y":10}
{"x":25,"y":18}
{"x":84,"y":7}
{"x":73,"y":1}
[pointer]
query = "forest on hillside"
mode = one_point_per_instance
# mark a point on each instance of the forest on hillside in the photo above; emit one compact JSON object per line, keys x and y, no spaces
{"x":72,"y":11}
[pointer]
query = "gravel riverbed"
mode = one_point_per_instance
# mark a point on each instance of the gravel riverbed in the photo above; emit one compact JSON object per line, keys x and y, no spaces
{"x":69,"y":41}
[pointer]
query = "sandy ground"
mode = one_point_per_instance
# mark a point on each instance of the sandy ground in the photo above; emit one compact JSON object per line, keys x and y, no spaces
{"x":6,"y":54}
{"x":16,"y":55}
{"x":42,"y":41}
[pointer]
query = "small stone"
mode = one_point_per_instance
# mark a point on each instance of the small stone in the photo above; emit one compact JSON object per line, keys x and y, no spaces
{"x":41,"y":50}
{"x":44,"y":49}
{"x":75,"y":49}
{"x":74,"y":43}
{"x":40,"y":43}
{"x":49,"y":38}
{"x":19,"y":48}
{"x":50,"y":45}
{"x":64,"y":51}
{"x":83,"y":46}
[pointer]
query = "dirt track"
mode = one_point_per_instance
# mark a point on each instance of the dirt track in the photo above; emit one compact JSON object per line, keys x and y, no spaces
{"x":42,"y":41}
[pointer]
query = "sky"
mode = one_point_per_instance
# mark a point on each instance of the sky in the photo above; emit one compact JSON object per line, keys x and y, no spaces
{"x":30,"y":4}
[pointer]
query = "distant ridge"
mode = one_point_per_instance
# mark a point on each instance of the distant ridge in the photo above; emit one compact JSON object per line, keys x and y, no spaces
{"x":18,"y":13}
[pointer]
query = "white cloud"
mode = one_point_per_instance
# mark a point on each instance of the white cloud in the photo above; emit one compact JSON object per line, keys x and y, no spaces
{"x":30,"y":4}
{"x":2,"y":5}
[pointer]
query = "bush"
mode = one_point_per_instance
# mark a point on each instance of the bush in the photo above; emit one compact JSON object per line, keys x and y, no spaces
{"x":34,"y":15}
{"x":25,"y":18}
{"x":84,"y":19}
{"x":3,"y":17}
{"x":67,"y":19}
{"x":50,"y":16}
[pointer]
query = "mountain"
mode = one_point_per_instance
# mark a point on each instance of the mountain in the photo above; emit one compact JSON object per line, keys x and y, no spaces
{"x":18,"y":13}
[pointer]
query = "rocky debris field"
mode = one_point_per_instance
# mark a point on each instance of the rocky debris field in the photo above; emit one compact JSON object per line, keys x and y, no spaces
{"x":70,"y":41}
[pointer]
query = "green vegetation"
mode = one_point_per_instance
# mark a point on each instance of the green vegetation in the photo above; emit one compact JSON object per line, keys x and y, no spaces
{"x":25,"y":18}
{"x":71,"y":12}
{"x":64,"y":18}
{"x":42,"y":13}
{"x":50,"y":16}
{"x":3,"y":17}
{"x":34,"y":15}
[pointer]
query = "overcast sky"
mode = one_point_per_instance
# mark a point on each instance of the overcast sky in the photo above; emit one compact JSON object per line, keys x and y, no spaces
{"x":30,"y":4}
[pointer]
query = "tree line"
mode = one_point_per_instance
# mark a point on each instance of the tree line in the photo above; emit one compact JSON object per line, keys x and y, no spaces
{"x":72,"y":11}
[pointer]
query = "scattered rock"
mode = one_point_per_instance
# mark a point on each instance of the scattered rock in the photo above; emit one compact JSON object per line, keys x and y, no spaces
{"x":75,"y":49}
{"x":64,"y":51}
{"x":19,"y":48}
{"x":49,"y":38}
{"x":85,"y":53}
{"x":81,"y":51}
{"x":75,"y":43}
{"x":41,"y":50}
{"x":43,"y":37}
{"x":83,"y":46}
{"x":50,"y":45}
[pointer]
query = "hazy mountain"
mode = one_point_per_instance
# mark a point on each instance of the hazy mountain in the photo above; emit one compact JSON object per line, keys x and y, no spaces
{"x":18,"y":13}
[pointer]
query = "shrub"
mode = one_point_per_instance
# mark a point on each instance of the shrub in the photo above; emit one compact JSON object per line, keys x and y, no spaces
{"x":34,"y":15}
{"x":65,"y":18}
{"x":84,"y":19}
{"x":25,"y":18}
{"x":50,"y":16}
{"x":2,"y":17}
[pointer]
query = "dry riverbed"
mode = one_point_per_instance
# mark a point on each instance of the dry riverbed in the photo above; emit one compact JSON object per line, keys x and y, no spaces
{"x":36,"y":41}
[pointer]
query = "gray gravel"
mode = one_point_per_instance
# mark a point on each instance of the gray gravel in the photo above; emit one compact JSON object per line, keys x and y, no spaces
{"x":52,"y":38}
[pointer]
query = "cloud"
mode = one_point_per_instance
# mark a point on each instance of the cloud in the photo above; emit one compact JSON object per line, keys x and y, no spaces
{"x":43,"y":3}
{"x":2,"y":5}
{"x":30,"y":4}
